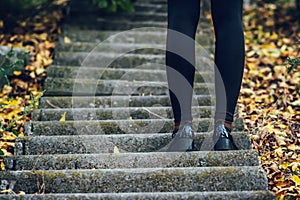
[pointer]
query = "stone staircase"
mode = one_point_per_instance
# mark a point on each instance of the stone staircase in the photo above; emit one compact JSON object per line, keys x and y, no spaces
{"x":118,"y":121}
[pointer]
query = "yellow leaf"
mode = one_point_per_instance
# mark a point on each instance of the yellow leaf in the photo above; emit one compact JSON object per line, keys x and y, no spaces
{"x":279,"y":151}
{"x":32,"y":75}
{"x":296,"y":179}
{"x":250,"y":53}
{"x":39,"y":71}
{"x":63,"y":117}
{"x":293,"y":147}
{"x":2,"y":165}
{"x":21,"y":193}
{"x":67,"y":40}
{"x":43,"y":36}
{"x":274,"y":36}
{"x":116,"y":150}
{"x":281,"y":197}
{"x":61,"y":2}
{"x":6,"y":191}
{"x":1,"y":24}
{"x":284,"y":165}
{"x":295,"y":166}
{"x":17,"y":73}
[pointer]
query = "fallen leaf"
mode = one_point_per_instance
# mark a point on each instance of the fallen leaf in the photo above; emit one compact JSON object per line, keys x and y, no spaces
{"x":21,"y":193}
{"x":63,"y":117}
{"x":296,"y":179}
{"x":67,"y":40}
{"x":116,"y":150}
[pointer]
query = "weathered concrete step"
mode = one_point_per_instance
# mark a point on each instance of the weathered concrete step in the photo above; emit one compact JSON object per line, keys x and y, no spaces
{"x":137,"y":16}
{"x":75,"y":87}
{"x":133,"y":160}
{"x":100,"y":59}
{"x":115,"y":113}
{"x":150,"y":36}
{"x":144,"y":36}
{"x":159,"y":2}
{"x":144,"y":7}
{"x":229,"y":195}
{"x":91,"y":144}
{"x":106,"y":127}
{"x":140,"y":180}
{"x":96,"y":23}
{"x":139,"y":7}
{"x":76,"y":7}
{"x":141,"y":74}
{"x":137,"y":48}
{"x":115,"y":101}
{"x":111,"y":47}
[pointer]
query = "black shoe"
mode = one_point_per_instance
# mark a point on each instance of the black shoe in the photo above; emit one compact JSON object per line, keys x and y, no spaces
{"x":223,"y":138}
{"x":183,"y":139}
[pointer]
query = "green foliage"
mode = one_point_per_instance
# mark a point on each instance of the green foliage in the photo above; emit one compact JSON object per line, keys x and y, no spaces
{"x":34,"y":103}
{"x":293,"y":63}
{"x":8,"y":64}
{"x":114,"y":5}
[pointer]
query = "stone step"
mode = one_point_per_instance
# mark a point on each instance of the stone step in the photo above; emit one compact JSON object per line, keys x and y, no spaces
{"x":106,"y":127}
{"x":139,"y":7}
{"x":147,"y":7}
{"x":137,"y":16}
{"x":123,"y":60}
{"x":115,"y":113}
{"x":139,"y":180}
{"x":92,"y":22}
{"x":140,"y":74}
{"x":107,"y":46}
{"x":91,"y":144}
{"x":150,"y":36}
{"x":143,"y":36}
{"x":115,"y":101}
{"x":100,"y":59}
{"x":74,"y":87}
{"x":120,"y":48}
{"x":160,"y":2}
{"x":216,"y":195}
{"x":76,"y":7}
{"x":133,"y":160}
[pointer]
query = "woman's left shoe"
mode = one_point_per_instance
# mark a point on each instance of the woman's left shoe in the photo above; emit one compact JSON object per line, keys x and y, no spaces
{"x":182,"y":139}
{"x":223,"y":138}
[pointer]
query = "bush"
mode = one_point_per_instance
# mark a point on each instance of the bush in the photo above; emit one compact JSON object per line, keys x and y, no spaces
{"x":10,"y":60}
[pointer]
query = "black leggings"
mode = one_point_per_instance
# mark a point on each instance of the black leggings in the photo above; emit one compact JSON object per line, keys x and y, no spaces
{"x":183,"y":17}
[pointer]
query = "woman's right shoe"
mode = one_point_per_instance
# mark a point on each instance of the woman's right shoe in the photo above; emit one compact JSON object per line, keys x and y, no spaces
{"x":223,"y":138}
{"x":182,"y":139}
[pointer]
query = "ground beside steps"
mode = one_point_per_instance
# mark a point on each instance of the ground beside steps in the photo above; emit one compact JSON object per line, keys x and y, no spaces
{"x":118,"y":121}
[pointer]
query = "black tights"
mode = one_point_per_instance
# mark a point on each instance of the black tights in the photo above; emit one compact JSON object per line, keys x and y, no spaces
{"x":183,"y":17}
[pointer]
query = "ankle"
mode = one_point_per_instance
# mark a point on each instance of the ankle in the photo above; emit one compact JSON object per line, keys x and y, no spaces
{"x":178,"y":125}
{"x":227,"y":124}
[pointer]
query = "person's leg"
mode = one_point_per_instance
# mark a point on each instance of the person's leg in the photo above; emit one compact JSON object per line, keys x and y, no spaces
{"x":229,"y":55}
{"x":183,"y":17}
{"x":229,"y":59}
